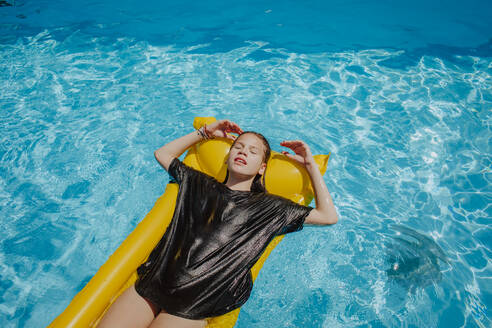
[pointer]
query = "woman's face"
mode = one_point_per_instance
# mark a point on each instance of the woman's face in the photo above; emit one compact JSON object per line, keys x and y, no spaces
{"x":246,"y":156}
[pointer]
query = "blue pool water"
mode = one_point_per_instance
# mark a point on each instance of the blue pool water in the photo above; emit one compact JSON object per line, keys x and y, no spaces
{"x":399,"y":92}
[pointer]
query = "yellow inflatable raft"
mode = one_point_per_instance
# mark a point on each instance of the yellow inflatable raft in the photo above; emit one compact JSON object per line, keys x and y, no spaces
{"x":283,"y":177}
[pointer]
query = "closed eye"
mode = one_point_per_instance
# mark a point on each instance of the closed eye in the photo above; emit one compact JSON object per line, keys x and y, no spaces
{"x":253,"y":149}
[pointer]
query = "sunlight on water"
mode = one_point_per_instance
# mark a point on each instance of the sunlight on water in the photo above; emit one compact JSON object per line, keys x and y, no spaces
{"x":410,"y":172}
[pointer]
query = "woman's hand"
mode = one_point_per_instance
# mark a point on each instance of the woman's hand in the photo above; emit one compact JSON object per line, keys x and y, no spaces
{"x":300,"y":148}
{"x":221,"y":127}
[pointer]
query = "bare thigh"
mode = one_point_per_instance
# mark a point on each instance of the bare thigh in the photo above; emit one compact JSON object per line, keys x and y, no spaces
{"x":129,"y":310}
{"x":166,"y":320}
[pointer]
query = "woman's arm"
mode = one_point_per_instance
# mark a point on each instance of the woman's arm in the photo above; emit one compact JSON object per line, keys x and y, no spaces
{"x":175,"y":148}
{"x":325,"y":212}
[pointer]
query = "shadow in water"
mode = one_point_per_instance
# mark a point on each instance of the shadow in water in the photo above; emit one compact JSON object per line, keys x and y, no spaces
{"x":413,"y":259}
{"x":4,"y":3}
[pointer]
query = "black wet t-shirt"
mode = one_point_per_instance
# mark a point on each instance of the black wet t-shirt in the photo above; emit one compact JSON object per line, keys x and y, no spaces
{"x":201,"y":267}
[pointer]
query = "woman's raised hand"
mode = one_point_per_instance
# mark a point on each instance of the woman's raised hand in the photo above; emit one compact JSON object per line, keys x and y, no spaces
{"x":221,"y":127}
{"x":300,"y":148}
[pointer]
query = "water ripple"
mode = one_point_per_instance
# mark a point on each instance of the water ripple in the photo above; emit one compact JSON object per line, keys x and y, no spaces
{"x":82,"y":115}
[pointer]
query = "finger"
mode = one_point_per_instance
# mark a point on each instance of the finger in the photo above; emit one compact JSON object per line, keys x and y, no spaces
{"x":235,"y":128}
{"x":228,"y":126}
{"x":239,"y":130}
{"x":295,"y":145}
{"x":292,"y":146}
{"x":290,"y":142}
{"x":286,"y":153}
{"x":290,"y":156}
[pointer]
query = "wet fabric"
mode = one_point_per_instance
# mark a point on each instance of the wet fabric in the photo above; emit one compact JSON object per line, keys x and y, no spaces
{"x":201,"y":266}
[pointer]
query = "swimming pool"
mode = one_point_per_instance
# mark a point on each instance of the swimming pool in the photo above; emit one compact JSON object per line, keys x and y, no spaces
{"x":399,"y":93}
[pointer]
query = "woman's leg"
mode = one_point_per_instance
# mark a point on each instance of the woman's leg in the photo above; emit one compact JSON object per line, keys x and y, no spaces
{"x":166,"y":320}
{"x":129,"y":310}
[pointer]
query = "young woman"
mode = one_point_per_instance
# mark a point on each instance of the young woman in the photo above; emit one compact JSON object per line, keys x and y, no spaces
{"x":201,"y":266}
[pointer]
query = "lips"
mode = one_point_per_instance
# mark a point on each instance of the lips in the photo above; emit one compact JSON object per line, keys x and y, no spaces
{"x":240,"y":160}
